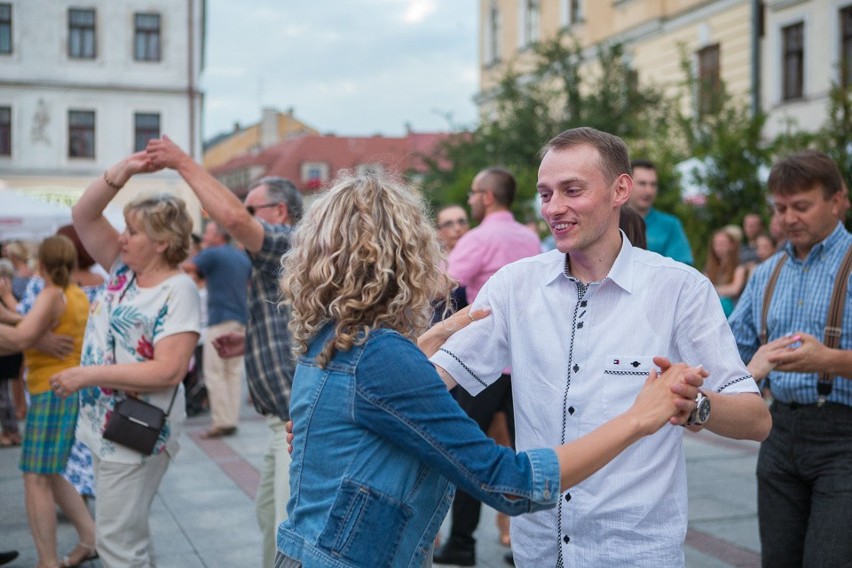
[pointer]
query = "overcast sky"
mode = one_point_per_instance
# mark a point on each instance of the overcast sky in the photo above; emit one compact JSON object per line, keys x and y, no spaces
{"x":351,"y":67}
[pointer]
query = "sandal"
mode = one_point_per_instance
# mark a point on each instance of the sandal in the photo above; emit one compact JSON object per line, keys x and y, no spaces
{"x":9,"y":441}
{"x":81,"y":553}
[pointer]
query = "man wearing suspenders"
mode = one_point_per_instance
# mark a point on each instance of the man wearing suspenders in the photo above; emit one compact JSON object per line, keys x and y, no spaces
{"x":794,"y":323}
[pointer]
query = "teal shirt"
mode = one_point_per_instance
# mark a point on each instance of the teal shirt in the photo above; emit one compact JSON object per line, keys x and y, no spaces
{"x":666,"y":236}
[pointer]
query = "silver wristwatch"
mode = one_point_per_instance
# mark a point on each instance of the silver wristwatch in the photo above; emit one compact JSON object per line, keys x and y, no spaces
{"x":701,"y":412}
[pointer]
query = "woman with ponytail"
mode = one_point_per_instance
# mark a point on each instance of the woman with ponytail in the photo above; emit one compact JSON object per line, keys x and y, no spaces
{"x":62,"y":307}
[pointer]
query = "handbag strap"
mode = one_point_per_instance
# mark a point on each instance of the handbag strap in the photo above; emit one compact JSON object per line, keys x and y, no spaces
{"x":767,"y":298}
{"x":112,"y":337}
{"x":834,"y":322}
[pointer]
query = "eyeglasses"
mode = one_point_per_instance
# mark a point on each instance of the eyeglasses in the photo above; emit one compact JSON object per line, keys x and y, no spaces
{"x":473,"y":192}
{"x":449,"y":223}
{"x":252,"y":209}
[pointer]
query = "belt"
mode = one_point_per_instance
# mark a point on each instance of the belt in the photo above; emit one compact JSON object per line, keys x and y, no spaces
{"x":800,"y":405}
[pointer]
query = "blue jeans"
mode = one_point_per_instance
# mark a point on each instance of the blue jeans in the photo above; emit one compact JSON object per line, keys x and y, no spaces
{"x":804,"y":497}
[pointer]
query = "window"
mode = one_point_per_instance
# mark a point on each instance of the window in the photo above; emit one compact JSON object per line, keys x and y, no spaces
{"x":146,"y":127}
{"x":314,"y":174}
{"x":5,"y":28}
{"x":81,"y":134}
{"x":529,"y":22}
{"x":532,"y":21}
{"x":81,"y":34}
{"x":709,"y":82}
{"x":846,"y":46}
{"x":793,"y":54}
{"x":5,"y":131}
{"x":146,"y":43}
{"x":573,"y":11}
{"x":494,"y":35}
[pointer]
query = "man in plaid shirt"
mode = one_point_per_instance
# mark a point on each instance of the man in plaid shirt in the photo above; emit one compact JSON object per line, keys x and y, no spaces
{"x":264,"y":226}
{"x":804,"y":470}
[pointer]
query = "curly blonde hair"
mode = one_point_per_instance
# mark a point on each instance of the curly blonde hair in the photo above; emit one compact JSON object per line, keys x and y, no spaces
{"x":364,"y":256}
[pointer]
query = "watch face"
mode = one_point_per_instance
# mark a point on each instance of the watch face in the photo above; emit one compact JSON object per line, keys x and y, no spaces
{"x":703,"y":411}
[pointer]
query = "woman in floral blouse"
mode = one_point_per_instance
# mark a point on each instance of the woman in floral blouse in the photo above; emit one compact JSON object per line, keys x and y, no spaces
{"x":140,"y":336}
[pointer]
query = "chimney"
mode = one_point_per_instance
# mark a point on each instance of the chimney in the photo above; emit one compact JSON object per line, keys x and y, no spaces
{"x":269,"y":127}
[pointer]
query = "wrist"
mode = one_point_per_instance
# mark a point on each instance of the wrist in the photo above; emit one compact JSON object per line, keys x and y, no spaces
{"x":113,"y":180}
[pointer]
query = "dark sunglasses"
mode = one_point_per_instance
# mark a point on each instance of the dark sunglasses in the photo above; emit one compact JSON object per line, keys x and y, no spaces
{"x":252,"y":209}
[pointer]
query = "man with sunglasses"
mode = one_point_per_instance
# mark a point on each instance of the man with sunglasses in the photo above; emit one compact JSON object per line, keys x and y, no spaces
{"x":264,"y":227}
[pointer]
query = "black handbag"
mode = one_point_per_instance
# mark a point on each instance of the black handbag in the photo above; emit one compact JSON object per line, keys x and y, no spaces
{"x":136,"y":424}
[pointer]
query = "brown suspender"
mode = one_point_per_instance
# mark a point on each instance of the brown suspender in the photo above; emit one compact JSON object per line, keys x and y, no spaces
{"x":767,"y":298}
{"x":834,"y":318}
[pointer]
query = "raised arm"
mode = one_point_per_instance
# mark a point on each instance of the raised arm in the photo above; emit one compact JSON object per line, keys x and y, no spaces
{"x":96,"y":233}
{"x":218,"y":201}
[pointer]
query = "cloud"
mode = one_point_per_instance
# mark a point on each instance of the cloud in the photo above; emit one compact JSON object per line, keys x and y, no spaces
{"x":419,"y":10}
{"x":355,"y":67}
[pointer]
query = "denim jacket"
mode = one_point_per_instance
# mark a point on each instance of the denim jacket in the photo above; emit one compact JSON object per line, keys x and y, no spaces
{"x":379,"y":443}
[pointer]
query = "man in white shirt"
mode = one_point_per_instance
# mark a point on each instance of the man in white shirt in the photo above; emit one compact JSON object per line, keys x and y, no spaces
{"x":580,"y":326}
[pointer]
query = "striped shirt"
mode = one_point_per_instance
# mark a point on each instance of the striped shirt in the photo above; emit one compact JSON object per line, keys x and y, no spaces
{"x":269,"y":362}
{"x":799,"y":303}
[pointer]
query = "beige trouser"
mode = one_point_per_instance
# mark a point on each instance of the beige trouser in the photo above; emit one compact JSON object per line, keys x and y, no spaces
{"x":125,"y":493}
{"x":274,"y":489}
{"x":223,"y":377}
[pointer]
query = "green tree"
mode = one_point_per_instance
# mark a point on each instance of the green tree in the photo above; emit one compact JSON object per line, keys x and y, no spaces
{"x":561,"y":91}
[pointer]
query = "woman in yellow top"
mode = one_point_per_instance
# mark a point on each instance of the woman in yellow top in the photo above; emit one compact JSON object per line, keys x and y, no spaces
{"x":61,"y":307}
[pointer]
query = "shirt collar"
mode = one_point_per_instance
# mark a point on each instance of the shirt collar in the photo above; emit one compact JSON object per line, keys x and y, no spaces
{"x":826,"y":245}
{"x":497,"y":216}
{"x":620,"y":272}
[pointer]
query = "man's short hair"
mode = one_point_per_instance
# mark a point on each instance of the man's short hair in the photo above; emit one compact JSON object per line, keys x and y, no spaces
{"x":802,"y":171}
{"x":281,"y":190}
{"x":613,"y":152}
{"x":502,"y":184}
{"x":646,"y":164}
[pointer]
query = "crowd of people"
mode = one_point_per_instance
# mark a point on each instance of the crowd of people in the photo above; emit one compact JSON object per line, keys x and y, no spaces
{"x":425,"y":367}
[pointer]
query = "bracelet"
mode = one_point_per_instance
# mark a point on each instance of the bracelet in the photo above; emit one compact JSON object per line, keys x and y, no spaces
{"x":111,"y":183}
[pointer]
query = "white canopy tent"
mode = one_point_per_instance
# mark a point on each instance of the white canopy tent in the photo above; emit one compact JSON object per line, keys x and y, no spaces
{"x":27,"y":218}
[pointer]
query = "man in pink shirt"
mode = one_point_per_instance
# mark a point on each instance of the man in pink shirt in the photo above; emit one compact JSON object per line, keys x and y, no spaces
{"x":479,"y":253}
{"x":498,"y":240}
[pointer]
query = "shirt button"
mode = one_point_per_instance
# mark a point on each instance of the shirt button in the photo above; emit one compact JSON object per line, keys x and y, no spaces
{"x":547,"y":493}
{"x":583,"y":304}
{"x":580,"y":325}
{"x":567,"y":497}
{"x":576,"y":367}
{"x":566,"y":539}
{"x":570,"y":410}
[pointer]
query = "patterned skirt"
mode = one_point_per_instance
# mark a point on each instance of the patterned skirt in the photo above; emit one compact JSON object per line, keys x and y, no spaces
{"x":49,"y":433}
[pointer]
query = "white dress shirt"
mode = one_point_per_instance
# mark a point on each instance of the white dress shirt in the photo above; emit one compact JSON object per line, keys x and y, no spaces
{"x":579,"y":355}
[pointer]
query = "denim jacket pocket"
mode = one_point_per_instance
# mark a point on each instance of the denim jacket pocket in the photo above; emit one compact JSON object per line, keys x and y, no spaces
{"x":364,"y":526}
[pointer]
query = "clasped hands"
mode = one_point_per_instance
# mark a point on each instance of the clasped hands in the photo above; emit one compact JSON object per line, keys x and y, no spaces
{"x":668,"y":396}
{"x":797,"y":352}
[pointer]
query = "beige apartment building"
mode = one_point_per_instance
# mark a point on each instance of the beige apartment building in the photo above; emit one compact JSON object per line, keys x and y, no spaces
{"x":779,"y":55}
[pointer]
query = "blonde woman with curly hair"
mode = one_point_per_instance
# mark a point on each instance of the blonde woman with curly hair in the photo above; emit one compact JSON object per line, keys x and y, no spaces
{"x":141,"y":333}
{"x":379,"y":442}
